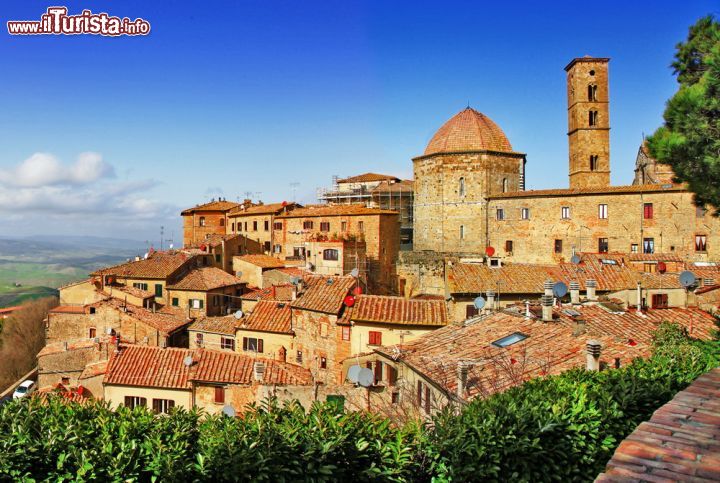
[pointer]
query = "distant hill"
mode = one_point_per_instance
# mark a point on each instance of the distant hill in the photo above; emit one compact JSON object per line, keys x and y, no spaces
{"x":40,"y":264}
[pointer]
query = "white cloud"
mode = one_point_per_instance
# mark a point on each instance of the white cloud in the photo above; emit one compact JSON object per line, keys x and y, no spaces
{"x":42,"y":169}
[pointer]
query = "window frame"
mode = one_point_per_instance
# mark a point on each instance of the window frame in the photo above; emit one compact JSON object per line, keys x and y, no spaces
{"x":227,"y":343}
{"x":374,"y":337}
{"x":647,"y":211}
{"x":602,"y":211}
{"x":331,"y":254}
{"x":565,"y":213}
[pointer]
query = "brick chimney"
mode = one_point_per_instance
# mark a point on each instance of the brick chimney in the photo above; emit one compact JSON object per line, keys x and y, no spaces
{"x":490,"y":299}
{"x":593,"y":355}
{"x":548,"y":286}
{"x":462,"y":374}
{"x":575,"y":293}
{"x":591,"y":285}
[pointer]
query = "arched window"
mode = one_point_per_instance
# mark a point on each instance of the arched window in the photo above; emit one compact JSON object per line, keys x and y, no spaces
{"x":461,"y":187}
{"x":593,"y":162}
{"x":462,"y":232}
{"x":202,"y":221}
{"x":592,"y":92}
{"x":593,"y":118}
{"x":505,"y":185}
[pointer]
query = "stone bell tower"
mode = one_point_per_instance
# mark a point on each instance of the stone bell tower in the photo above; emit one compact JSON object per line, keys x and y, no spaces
{"x":588,"y":122}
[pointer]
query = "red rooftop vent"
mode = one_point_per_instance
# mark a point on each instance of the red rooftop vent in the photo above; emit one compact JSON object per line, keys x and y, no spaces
{"x":490,"y":251}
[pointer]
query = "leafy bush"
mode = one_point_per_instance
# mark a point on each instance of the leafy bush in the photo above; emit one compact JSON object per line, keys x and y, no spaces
{"x":556,"y":428}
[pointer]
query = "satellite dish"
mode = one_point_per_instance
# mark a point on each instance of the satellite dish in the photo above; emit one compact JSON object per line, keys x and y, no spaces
{"x":575,"y":259}
{"x":349,"y":301}
{"x":238,"y":274}
{"x":560,"y":289}
{"x":479,"y":303}
{"x":239,"y":314}
{"x":662,"y":267}
{"x":188,"y":361}
{"x":355,"y":272}
{"x":489,"y":251}
{"x":294,"y":280}
{"x":366,"y":377}
{"x":687,"y":279}
{"x":353,"y":373}
{"x":228,"y":411}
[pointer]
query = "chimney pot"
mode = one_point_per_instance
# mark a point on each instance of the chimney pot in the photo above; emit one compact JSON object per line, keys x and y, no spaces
{"x":575,"y":293}
{"x":593,"y":355}
{"x":591,"y":285}
{"x":547,"y":312}
{"x":462,"y":373}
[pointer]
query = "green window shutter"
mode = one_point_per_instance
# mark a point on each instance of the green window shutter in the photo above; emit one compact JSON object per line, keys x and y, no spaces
{"x":202,"y":303}
{"x":175,"y":302}
{"x":158,"y":290}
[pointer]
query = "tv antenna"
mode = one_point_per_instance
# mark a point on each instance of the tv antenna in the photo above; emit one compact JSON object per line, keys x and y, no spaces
{"x":162,"y":234}
{"x":294,"y":186}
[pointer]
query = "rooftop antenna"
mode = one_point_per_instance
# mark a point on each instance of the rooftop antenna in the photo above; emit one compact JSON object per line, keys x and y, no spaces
{"x":162,"y":233}
{"x":248,"y":195}
{"x":258,"y":195}
{"x":294,"y":186}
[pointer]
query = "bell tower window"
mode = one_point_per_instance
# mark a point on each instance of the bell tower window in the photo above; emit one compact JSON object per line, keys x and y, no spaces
{"x":593,"y":162}
{"x":592,"y":93}
{"x":593,"y":118}
{"x":504,"y":185}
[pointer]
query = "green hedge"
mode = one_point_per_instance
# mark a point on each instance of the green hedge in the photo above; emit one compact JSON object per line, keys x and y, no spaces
{"x":556,"y":428}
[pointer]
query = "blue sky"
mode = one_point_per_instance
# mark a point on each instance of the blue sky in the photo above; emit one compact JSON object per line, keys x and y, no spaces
{"x":113,"y":136}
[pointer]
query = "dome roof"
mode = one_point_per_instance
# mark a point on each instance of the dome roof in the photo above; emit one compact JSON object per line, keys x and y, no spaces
{"x":468,"y":130}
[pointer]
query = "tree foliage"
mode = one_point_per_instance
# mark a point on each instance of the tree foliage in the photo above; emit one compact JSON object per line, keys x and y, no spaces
{"x":689,"y":140}
{"x":558,"y":428}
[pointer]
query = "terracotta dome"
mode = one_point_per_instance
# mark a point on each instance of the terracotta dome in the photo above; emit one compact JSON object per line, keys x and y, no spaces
{"x":468,"y":130}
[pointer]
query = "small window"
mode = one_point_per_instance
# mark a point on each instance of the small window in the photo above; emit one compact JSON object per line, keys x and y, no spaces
{"x":346,"y":333}
{"x":462,"y":232}
{"x":558,"y":246}
{"x":461,"y":187}
{"x":508,"y":246}
{"x":500,"y":214}
{"x":253,"y":344}
{"x":325,"y":226}
{"x":239,"y":226}
{"x":199,"y":339}
{"x":307,"y":225}
{"x":323,"y":362}
{"x":648,"y":245}
{"x":196,"y":303}
{"x":593,"y":118}
{"x":277,"y":225}
{"x":565,"y":213}
{"x":602,"y":211}
{"x":277,"y":249}
{"x":361,"y":226}
{"x":510,"y":339}
{"x":660,"y":301}
{"x":202,"y":221}
{"x":64,"y":380}
{"x":266,"y":225}
{"x":218,"y":258}
{"x":343,"y":226}
{"x":330,"y":254}
{"x":92,"y":333}
{"x":134,"y":401}
{"x":592,"y":93}
{"x":299,"y":357}
{"x":232,"y":227}
{"x":222,"y":221}
{"x":505,"y":185}
{"x":602,"y":245}
{"x":593,"y":162}
{"x":163,"y":406}
{"x":471,"y":311}
{"x":255,"y":225}
{"x":227,"y":343}
{"x":634,"y":248}
{"x":700,"y":243}
{"x":648,"y":211}
{"x":375,"y":338}
{"x":650,"y":267}
{"x":525,"y":213}
{"x":246,"y":226}
{"x":92,"y":310}
{"x":175,"y":302}
{"x":219,"y":395}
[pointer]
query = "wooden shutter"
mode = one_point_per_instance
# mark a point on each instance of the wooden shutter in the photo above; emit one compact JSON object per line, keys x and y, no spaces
{"x":390,"y":374}
{"x":419,"y":393}
{"x":378,"y":371}
{"x":143,"y":402}
{"x":219,"y":394}
{"x":260,"y":345}
{"x":470,"y":311}
{"x":245,"y":343}
{"x":157,"y":405}
{"x":129,"y":402}
{"x":428,"y":399}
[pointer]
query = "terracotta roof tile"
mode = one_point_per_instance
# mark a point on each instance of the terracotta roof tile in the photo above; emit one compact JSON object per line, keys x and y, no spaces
{"x":680,"y":442}
{"x":262,"y":261}
{"x":158,"y":265}
{"x":220,"y":205}
{"x":216,"y":325}
{"x":399,"y":310}
{"x":68,"y":309}
{"x":126,"y":289}
{"x":212,"y":240}
{"x":468,"y":130}
{"x":336,"y":210}
{"x":649,"y":188}
{"x":204,"y":279}
{"x":94,"y":369}
{"x":269,"y":316}
{"x":324,"y":294}
{"x":269,"y":209}
{"x":278,"y":293}
{"x":165,"y":368}
{"x":367,"y":178}
{"x":403,"y":186}
{"x":167,"y":320}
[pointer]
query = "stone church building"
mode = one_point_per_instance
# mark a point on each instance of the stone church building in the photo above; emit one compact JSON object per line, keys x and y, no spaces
{"x":470,"y":197}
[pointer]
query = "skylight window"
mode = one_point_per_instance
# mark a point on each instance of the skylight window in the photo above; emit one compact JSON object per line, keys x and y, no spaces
{"x":609,"y":261}
{"x":510,"y":340}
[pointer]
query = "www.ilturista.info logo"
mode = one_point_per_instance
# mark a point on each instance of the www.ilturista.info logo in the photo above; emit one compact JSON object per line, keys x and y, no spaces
{"x":57,"y":22}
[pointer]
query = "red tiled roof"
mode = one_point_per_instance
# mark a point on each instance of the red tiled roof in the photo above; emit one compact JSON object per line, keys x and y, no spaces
{"x":706,"y":289}
{"x":204,"y":279}
{"x":166,"y":368}
{"x":368,"y":178}
{"x":64,"y":346}
{"x":262,"y":261}
{"x":654,"y":257}
{"x":212,"y":240}
{"x":268,"y":316}
{"x":8,"y":310}
{"x":220,"y":205}
{"x":324,"y":294}
{"x":216,"y":325}
{"x":336,"y":210}
{"x":278,"y":293}
{"x":167,"y":320}
{"x":94,"y":369}
{"x":269,"y":209}
{"x":609,"y":190}
{"x":680,"y":442}
{"x":68,"y":309}
{"x":476,"y":278}
{"x":468,"y":130}
{"x":404,"y":186}
{"x":158,"y":265}
{"x":399,"y":310}
{"x":126,"y":289}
